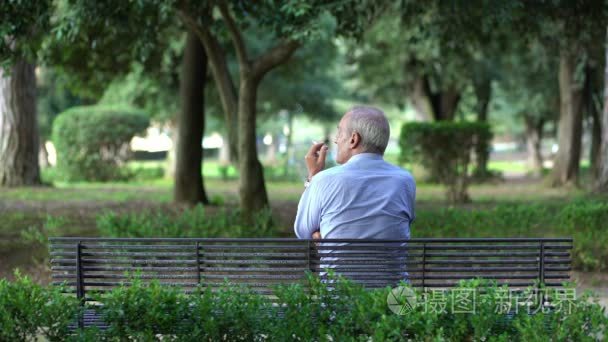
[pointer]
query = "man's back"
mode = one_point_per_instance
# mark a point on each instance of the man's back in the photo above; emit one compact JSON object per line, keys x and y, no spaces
{"x":363,"y":198}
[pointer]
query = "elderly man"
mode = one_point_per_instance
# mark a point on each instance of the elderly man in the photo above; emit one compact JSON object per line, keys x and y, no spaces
{"x":364,"y":197}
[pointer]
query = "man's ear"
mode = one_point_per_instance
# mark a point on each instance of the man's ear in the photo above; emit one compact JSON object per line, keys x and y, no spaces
{"x":355,"y":140}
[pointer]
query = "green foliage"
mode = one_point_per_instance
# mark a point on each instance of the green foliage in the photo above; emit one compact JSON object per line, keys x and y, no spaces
{"x":237,"y":314}
{"x":143,"y":173}
{"x":22,"y":26}
{"x":139,"y":312}
{"x":93,"y":142}
{"x":156,"y":92}
{"x":93,"y":42}
{"x":341,"y":311}
{"x":586,"y":223}
{"x":583,"y":220}
{"x":445,"y":148}
{"x":312,"y":310}
{"x":30,"y":311}
{"x":53,"y":98}
{"x":193,"y":222}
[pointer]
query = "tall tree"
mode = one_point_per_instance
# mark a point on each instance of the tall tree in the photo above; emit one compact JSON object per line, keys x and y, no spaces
{"x":290,"y":24}
{"x":567,"y":161}
{"x":191,"y":125}
{"x":142,"y":48}
{"x":569,"y":28}
{"x":241,"y":106}
{"x":19,"y":138}
{"x":304,"y":86}
{"x":22,"y":23}
{"x":405,"y":59}
{"x":602,"y":178}
{"x":526,"y":90}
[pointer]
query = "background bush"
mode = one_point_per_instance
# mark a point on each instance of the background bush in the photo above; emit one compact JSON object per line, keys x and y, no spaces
{"x":584,"y":220}
{"x":92,"y":142}
{"x":195,"y":222}
{"x":445,"y":150}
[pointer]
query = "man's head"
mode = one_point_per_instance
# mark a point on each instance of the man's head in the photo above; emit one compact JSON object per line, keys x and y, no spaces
{"x":362,"y":130}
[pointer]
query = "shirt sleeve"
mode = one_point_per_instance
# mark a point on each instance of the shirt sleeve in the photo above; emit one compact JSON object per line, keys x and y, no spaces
{"x":308,"y":218}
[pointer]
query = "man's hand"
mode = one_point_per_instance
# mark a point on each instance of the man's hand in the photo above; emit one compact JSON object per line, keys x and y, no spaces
{"x":316,"y":236}
{"x":315,"y":159}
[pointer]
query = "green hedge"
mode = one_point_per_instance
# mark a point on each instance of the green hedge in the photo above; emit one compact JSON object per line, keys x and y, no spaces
{"x":92,"y":142}
{"x":585,"y":220}
{"x":194,"y":222}
{"x":344,"y":312}
{"x":445,"y":149}
{"x":29,"y":311}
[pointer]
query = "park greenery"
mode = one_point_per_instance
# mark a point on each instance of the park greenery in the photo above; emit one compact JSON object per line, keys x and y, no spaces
{"x":446,"y":148}
{"x":233,"y":67}
{"x":309,"y":311}
{"x":498,"y":108}
{"x":93,"y":142}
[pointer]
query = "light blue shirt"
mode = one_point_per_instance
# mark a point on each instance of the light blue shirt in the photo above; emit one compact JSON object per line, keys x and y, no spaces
{"x":364,"y":198}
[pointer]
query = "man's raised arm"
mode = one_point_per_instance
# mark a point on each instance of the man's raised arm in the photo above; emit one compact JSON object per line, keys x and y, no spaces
{"x":308,"y":217}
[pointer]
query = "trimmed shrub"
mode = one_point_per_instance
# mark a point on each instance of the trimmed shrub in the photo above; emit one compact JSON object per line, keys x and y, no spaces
{"x":141,"y":311}
{"x":445,"y":149}
{"x":195,"y":222}
{"x":587,"y":223}
{"x":344,"y":311}
{"x":584,"y":220}
{"x":92,"y":142}
{"x":28,"y":311}
{"x":337,"y":310}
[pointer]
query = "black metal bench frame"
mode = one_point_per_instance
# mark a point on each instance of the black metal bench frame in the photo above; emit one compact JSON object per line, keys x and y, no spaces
{"x":100,"y":264}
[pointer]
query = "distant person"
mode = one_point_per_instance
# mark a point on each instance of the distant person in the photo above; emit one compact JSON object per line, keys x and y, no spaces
{"x":364,"y":197}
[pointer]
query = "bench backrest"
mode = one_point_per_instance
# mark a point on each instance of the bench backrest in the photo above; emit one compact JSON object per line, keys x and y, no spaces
{"x":100,"y":264}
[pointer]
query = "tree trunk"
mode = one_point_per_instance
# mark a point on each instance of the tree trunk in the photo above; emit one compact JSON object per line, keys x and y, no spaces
{"x":566,"y":167}
{"x":420,"y":99}
{"x":19,"y":137}
{"x":593,"y":110}
{"x":221,"y":75}
{"x":534,"y":130}
{"x":438,"y":106}
{"x":448,"y":100}
{"x":252,"y":188}
{"x":596,"y":141}
{"x":189,"y":187}
{"x":483,"y":91}
{"x":602,"y":179}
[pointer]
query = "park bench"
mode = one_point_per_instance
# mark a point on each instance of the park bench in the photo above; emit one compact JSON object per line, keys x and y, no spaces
{"x":86,"y":265}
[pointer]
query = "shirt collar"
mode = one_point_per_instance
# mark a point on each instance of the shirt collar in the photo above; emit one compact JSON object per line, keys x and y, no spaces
{"x":368,"y":156}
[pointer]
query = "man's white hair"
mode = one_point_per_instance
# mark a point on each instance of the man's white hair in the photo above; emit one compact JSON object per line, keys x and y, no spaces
{"x":372,"y":126}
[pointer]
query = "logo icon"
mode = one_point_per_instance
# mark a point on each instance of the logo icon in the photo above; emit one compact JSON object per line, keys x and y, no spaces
{"x":402,"y":300}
